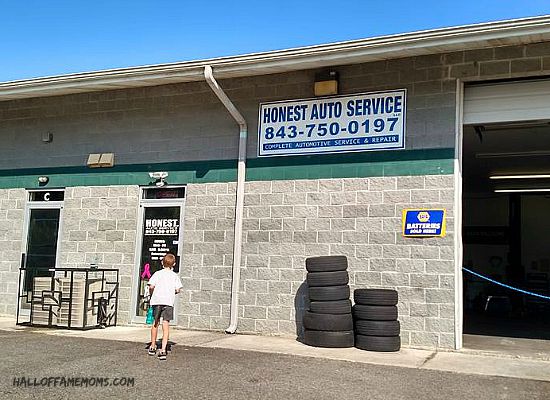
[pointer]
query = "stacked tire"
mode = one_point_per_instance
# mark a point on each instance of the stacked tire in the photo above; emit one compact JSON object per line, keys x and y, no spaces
{"x":375,"y":319}
{"x":329,"y":321}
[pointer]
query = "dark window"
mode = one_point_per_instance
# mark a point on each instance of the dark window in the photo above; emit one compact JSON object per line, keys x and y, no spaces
{"x":164,"y":193}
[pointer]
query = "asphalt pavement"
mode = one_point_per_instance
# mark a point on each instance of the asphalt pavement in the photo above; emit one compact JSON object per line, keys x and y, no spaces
{"x":32,"y":361}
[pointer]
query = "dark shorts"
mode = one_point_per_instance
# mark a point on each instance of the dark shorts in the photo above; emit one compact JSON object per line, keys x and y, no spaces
{"x":166,"y":312}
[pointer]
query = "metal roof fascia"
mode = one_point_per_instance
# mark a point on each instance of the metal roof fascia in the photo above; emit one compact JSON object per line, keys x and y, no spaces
{"x":499,"y":33}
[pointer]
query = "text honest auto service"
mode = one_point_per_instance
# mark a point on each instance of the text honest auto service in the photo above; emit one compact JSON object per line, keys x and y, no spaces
{"x":368,"y":121}
{"x":333,"y":109}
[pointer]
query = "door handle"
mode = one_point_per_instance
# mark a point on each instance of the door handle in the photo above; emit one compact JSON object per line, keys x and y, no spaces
{"x":177,"y":267}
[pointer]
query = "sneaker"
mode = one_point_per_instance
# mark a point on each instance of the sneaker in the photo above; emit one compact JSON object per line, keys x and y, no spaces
{"x":162,"y":355}
{"x":151,"y":351}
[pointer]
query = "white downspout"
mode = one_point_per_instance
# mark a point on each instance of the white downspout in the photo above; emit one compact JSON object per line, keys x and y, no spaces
{"x":241,"y":172}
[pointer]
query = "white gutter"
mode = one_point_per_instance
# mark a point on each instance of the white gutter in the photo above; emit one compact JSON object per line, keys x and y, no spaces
{"x":239,"y":207}
{"x":492,"y":34}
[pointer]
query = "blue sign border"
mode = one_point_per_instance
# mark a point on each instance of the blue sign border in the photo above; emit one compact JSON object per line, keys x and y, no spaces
{"x":389,"y":148}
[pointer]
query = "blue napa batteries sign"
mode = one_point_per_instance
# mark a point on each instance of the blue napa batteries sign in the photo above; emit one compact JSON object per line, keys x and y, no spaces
{"x":424,"y":223}
{"x":363,"y":122}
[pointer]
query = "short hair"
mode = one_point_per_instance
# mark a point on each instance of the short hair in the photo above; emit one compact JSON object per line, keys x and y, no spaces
{"x":169,"y":260}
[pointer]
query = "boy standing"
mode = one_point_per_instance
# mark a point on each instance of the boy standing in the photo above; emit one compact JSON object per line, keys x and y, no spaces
{"x":163,"y":285}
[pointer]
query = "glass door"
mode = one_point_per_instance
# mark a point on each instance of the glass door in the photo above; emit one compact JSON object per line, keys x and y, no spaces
{"x":41,"y":243}
{"x":160,"y":233}
{"x":41,"y":238}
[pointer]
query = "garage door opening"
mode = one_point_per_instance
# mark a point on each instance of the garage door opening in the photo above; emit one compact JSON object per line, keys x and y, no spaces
{"x":506,"y":229}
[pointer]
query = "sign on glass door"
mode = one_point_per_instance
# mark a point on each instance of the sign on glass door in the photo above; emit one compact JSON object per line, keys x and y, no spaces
{"x":161,"y":232}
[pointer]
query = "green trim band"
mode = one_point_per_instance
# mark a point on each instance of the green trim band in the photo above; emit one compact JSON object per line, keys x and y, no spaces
{"x":349,"y":165}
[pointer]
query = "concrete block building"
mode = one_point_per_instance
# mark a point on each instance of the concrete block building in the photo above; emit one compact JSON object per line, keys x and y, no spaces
{"x":243,"y":226}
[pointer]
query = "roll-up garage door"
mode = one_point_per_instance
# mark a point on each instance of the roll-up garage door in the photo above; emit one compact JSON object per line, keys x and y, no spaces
{"x":507,"y":102}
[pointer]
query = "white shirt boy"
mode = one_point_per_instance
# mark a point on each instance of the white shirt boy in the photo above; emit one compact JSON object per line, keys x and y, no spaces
{"x":166,"y":282}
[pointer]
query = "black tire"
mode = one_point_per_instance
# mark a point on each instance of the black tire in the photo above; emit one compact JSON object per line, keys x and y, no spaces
{"x":375,"y":297}
{"x":336,"y":278}
{"x":378,"y":343}
{"x":328,"y":322}
{"x":326,"y":263}
{"x":329,"y":293}
{"x":377,"y":328}
{"x":329,"y":339}
{"x":331,"y":307}
{"x":375,"y":313}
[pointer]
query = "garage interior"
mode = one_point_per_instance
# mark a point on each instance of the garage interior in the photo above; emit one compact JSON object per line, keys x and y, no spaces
{"x":506,"y":228}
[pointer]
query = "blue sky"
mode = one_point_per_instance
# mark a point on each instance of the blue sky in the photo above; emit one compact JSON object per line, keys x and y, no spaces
{"x":43,"y":38}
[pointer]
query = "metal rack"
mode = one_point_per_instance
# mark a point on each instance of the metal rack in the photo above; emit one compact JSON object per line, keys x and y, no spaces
{"x":72,"y":298}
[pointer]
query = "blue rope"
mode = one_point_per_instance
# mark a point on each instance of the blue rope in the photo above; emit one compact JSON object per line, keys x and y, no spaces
{"x":506,"y":286}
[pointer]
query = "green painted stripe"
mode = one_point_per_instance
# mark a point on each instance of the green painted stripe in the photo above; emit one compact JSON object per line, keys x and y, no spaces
{"x":350,"y":165}
{"x":353,"y":165}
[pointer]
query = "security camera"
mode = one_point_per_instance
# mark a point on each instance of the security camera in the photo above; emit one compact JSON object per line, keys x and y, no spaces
{"x":158,"y":175}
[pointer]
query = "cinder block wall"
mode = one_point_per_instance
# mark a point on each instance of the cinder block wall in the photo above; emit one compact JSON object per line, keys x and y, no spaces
{"x":12,"y":206}
{"x":146,"y":125}
{"x":207,"y":255}
{"x":285,"y":221}
{"x":100,"y":226}
{"x":288,"y":221}
{"x":186,"y":122}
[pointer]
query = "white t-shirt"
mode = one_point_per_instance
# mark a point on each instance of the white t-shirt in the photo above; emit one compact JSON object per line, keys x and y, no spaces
{"x":166,"y":282}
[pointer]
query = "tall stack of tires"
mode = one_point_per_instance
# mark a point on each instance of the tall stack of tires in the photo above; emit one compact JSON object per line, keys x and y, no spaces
{"x":328,"y":322}
{"x":375,"y":318}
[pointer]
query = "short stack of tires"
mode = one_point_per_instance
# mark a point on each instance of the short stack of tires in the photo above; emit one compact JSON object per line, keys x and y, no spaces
{"x":375,"y":319}
{"x":329,"y":321}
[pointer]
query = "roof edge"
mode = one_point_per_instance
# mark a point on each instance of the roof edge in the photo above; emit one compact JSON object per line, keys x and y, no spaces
{"x":499,"y":33}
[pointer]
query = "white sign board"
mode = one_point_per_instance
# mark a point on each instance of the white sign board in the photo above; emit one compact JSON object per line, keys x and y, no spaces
{"x":368,"y":121}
